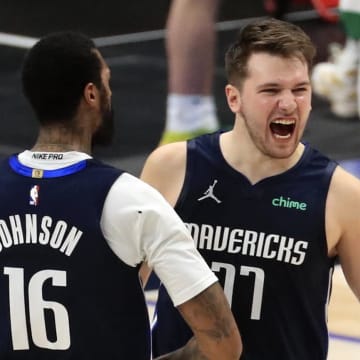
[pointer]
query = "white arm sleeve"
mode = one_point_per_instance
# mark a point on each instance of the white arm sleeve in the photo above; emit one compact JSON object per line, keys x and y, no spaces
{"x":139,"y":225}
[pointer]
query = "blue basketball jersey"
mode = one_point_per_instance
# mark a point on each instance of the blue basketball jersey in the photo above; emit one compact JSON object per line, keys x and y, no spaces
{"x":63,"y":293}
{"x":266,"y":242}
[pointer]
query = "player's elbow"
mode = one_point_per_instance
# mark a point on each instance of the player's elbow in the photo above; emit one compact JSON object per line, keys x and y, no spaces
{"x":236,"y":347}
{"x":230,"y":347}
{"x":213,"y":324}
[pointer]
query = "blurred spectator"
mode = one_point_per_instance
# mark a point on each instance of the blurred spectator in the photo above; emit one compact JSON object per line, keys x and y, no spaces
{"x":337,"y":80}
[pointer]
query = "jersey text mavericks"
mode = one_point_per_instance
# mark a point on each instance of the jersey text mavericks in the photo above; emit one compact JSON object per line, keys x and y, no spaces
{"x":249,"y":242}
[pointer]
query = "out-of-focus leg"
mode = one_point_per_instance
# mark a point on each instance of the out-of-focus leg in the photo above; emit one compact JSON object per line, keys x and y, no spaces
{"x":190,"y":46}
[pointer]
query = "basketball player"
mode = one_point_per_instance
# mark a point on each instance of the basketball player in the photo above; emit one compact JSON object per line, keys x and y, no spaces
{"x":269,"y":213}
{"x":74,"y":231}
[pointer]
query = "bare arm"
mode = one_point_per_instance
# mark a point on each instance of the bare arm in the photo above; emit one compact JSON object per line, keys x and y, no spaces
{"x":343,"y":225}
{"x":216,"y":335}
{"x":164,"y":169}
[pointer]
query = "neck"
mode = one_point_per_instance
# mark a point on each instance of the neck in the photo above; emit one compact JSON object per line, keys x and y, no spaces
{"x":251,"y":163}
{"x":47,"y":147}
{"x":62,"y":140}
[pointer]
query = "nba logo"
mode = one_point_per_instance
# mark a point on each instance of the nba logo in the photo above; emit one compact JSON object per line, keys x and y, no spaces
{"x":34,"y":195}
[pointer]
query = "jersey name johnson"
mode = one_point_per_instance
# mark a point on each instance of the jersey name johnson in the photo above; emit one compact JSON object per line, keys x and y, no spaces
{"x":43,"y":230}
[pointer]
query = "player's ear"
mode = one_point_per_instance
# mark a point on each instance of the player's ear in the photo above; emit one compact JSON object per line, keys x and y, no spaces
{"x":233,"y":97}
{"x":91,"y":94}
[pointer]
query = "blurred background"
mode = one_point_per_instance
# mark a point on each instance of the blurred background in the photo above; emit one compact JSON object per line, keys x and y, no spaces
{"x":130,"y":35}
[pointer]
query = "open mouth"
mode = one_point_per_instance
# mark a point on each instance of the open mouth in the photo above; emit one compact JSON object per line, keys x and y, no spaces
{"x":282,"y":128}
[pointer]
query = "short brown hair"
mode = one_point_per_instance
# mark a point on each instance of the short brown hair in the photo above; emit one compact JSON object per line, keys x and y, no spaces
{"x":272,"y":36}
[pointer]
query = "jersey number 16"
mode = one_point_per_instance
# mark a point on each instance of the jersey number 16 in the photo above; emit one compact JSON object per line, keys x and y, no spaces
{"x":36,"y":310}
